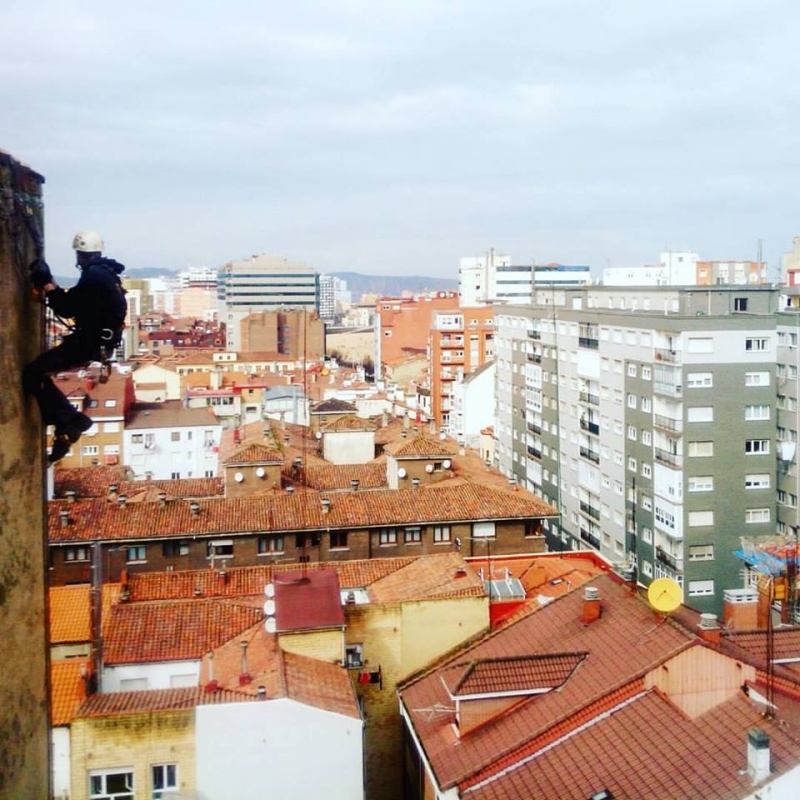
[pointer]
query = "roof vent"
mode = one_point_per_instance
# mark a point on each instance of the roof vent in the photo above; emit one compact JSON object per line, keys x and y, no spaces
{"x":415,"y":483}
{"x":290,"y":490}
{"x":708,"y":629}
{"x":326,"y":505}
{"x":591,"y":605}
{"x":64,"y":514}
{"x":350,"y":600}
{"x":194,"y":507}
{"x":262,"y":692}
{"x":122,"y":500}
{"x":70,"y":495}
{"x":708,"y":621}
{"x":162,"y":499}
{"x":757,"y":754}
{"x":591,"y":593}
{"x":112,"y":491}
{"x":354,"y":484}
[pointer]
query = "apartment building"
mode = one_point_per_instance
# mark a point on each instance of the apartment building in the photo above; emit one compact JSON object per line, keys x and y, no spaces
{"x":263,"y":283}
{"x":648,"y":418}
{"x":461,"y":341}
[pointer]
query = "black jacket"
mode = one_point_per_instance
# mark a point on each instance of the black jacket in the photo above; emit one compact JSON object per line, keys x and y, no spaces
{"x":97,"y":301}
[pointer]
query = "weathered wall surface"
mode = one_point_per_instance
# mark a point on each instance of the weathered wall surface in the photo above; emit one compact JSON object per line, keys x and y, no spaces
{"x":24,"y":767}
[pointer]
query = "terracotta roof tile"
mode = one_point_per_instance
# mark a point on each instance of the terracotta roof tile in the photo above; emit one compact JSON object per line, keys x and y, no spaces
{"x":511,"y":674}
{"x":89,"y":520}
{"x":87,"y":481}
{"x":428,"y":578}
{"x":255,"y":454}
{"x":315,"y":683}
{"x":330,"y":477}
{"x":153,"y":700}
{"x":305,"y":600}
{"x":67,"y":689}
{"x":333,"y":406}
{"x":173,"y":630}
{"x":421,"y":447}
{"x":350,"y":422}
{"x":70,"y":614}
{"x":169,"y":414}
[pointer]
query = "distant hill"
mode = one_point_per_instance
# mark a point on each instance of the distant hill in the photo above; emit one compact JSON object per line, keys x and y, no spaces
{"x":357,"y":283}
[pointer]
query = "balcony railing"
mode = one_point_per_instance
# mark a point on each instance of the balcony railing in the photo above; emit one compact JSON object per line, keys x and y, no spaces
{"x":590,"y":510}
{"x":668,"y":424}
{"x":591,"y":427}
{"x":534,"y":428}
{"x":534,"y":334}
{"x":591,"y":399}
{"x":673,"y":460}
{"x":671,"y":561}
{"x":588,"y":342}
{"x":534,"y":452}
{"x":535,"y":358}
{"x":592,"y":455}
{"x":670,"y":356}
{"x":668,"y":389}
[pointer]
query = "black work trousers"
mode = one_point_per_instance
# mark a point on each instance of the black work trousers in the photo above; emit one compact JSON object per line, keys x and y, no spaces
{"x":74,"y":351}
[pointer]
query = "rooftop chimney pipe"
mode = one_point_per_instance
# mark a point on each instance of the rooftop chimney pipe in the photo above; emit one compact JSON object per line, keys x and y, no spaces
{"x":591,"y":605}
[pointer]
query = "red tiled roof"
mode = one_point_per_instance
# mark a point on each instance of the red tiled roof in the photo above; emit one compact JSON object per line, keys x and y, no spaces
{"x":255,"y":454}
{"x":90,"y":520}
{"x":95,"y":482}
{"x":152,"y":700}
{"x":70,"y":614}
{"x":306,"y":600}
{"x":428,"y":578}
{"x":350,"y":422}
{"x":623,"y":643}
{"x":67,"y":689}
{"x":172,"y":630}
{"x":315,"y":683}
{"x":329,"y":477}
{"x":785,"y":642}
{"x":511,"y":674}
{"x":87,"y":481}
{"x":333,"y":406}
{"x":421,"y":447}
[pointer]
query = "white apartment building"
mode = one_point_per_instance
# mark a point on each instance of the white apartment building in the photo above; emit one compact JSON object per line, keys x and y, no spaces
{"x":262,"y":283}
{"x":648,"y":417}
{"x":167,"y":441}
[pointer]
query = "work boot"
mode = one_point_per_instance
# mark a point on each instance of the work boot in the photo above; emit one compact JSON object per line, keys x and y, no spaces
{"x":66,"y":435}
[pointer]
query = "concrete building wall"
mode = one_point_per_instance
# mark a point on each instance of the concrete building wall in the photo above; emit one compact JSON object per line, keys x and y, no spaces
{"x":140,"y":677}
{"x":133,"y":742}
{"x":24,"y":758}
{"x":348,"y":447}
{"x":278,"y":748}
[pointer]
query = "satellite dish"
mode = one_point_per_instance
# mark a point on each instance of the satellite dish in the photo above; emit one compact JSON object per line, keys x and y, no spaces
{"x":446,"y":463}
{"x":401,"y":473}
{"x":269,"y":607}
{"x":429,"y":468}
{"x":270,"y":625}
{"x":269,"y":590}
{"x":664,"y":595}
{"x":261,"y":472}
{"x":238,"y":477}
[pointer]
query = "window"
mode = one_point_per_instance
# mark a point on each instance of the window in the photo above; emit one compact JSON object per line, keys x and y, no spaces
{"x":387,"y":536}
{"x":758,"y":481}
{"x":701,"y":588}
{"x":756,"y":379}
{"x":647,"y":471}
{"x":632,"y":466}
{"x":699,"y":519}
{"x":76,"y":554}
{"x":632,"y":401}
{"x":701,"y":449}
{"x":441,"y":534}
{"x":740,"y":304}
{"x":111,"y":785}
{"x":699,"y":380}
{"x":303,"y":539}
{"x":483,"y":530}
{"x":412,"y":535}
{"x":647,"y":405}
{"x":755,"y":515}
{"x":647,"y":503}
{"x":701,"y":483}
{"x":632,"y":432}
{"x":175,"y":436}
{"x":219,"y":548}
{"x":269,"y":545}
{"x":646,"y":373}
{"x":701,"y":552}
{"x":338,"y":540}
{"x":137,"y":438}
{"x":756,"y":412}
{"x":354,"y":655}
{"x":756,"y":343}
{"x":165,"y":780}
{"x":90,"y":450}
{"x":756,"y":446}
{"x":110,"y":403}
{"x":700,"y":414}
{"x":632,"y":370}
{"x":136,"y":554}
{"x":179,"y":547}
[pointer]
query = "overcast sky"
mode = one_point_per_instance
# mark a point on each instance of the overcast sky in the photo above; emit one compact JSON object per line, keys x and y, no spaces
{"x":393,"y":138}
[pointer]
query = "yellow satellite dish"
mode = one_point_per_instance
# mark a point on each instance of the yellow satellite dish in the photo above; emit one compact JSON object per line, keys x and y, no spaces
{"x":664,"y":595}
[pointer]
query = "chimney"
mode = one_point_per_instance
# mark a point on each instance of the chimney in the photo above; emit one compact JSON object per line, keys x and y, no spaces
{"x":194,"y":507}
{"x":112,"y":491}
{"x":70,"y":495}
{"x":212,"y":684}
{"x":591,"y":605}
{"x":244,"y":677}
{"x":415,"y":483}
{"x":757,"y":755}
{"x":290,"y":489}
{"x":354,"y":484}
{"x":124,"y":589}
{"x":262,"y":692}
{"x":122,"y":500}
{"x":708,"y":629}
{"x":162,"y":499}
{"x":740,"y":609}
{"x":326,"y":505}
{"x":64,"y":514}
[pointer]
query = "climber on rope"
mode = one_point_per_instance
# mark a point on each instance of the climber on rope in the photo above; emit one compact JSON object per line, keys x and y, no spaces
{"x":97,"y":307}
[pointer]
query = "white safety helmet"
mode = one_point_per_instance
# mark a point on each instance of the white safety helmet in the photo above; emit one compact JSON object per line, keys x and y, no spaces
{"x":87,"y":242}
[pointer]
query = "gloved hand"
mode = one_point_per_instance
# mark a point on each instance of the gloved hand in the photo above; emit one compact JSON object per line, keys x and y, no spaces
{"x":40,"y":273}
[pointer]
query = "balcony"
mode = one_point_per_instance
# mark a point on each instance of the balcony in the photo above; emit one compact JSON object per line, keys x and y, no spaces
{"x":534,"y":334}
{"x":449,"y":341}
{"x":590,"y":454}
{"x":668,"y":424}
{"x":590,"y":511}
{"x":671,"y":561}
{"x":534,"y":452}
{"x":590,"y":342}
{"x":670,"y":356}
{"x":590,"y":538}
{"x":535,"y":358}
{"x":672,"y":460}
{"x":590,"y":427}
{"x":591,"y":399}
{"x":534,"y":428}
{"x":667,"y":389}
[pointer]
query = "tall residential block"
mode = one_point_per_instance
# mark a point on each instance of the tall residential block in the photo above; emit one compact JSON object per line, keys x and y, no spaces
{"x":658,"y":420}
{"x":24,"y":767}
{"x":263,"y":283}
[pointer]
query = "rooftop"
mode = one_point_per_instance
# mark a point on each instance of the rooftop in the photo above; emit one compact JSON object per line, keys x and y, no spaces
{"x":169,"y":414}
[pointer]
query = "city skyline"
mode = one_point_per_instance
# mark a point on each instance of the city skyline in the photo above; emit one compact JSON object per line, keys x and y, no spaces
{"x":394,"y":141}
